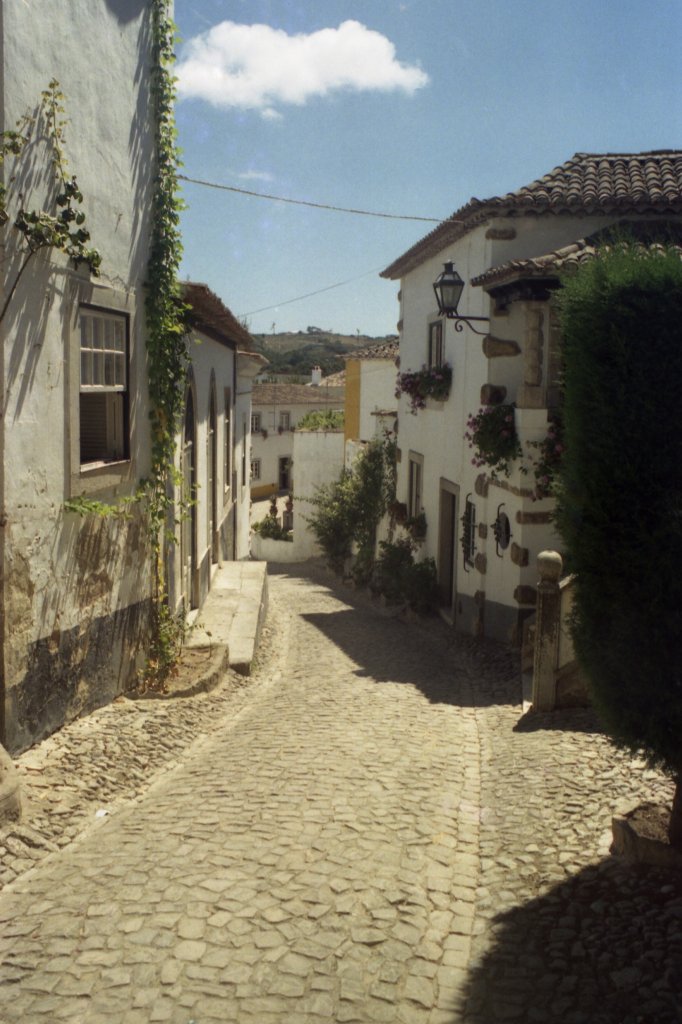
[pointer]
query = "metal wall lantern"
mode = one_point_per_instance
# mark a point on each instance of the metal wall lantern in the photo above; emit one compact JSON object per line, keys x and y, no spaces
{"x":448,"y":287}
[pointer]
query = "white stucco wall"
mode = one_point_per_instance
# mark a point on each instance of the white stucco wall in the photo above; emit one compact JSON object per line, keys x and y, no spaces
{"x":437,"y":432}
{"x":377,"y":393}
{"x":318,"y":460}
{"x":269,"y":450}
{"x":75,"y":589}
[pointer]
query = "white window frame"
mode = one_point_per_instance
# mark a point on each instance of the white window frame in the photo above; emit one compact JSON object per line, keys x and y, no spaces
{"x":285,"y":420}
{"x":103,"y":398}
{"x":255,"y":469}
{"x":436,"y":344}
{"x":256,"y":423}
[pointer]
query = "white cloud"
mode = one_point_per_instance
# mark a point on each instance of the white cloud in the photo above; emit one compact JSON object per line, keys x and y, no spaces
{"x":256,"y":176}
{"x":256,"y":67}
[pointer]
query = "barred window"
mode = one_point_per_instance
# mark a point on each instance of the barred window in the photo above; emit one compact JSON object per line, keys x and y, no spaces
{"x":469,"y":532}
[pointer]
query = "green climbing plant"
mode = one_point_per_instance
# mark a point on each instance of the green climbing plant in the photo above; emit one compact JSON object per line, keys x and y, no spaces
{"x":64,"y":228}
{"x":167,"y":335}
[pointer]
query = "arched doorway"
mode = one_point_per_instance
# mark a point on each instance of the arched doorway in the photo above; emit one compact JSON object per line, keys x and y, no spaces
{"x":188,"y":512}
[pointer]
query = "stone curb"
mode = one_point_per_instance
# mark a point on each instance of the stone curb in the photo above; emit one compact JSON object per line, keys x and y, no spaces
{"x":10,"y":792}
{"x":190,"y":680}
{"x":638,"y":849}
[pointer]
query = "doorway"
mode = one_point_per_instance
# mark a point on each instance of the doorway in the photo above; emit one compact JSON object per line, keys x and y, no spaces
{"x":212,"y":470}
{"x":284,"y":473}
{"x":188,"y":512}
{"x":447,"y":548}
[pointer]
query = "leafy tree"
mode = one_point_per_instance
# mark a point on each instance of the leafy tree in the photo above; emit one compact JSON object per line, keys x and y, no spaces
{"x":620,"y":495}
{"x":322,"y":419}
{"x":348,"y":511}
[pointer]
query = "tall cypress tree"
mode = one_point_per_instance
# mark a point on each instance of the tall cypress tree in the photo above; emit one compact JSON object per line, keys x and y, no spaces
{"x":620,"y":495}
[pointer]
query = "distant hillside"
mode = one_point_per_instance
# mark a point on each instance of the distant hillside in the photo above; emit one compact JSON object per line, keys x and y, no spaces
{"x":298,"y":353}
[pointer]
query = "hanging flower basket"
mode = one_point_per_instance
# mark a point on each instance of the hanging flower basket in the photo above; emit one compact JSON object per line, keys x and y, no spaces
{"x":429,"y":382}
{"x":492,"y":435}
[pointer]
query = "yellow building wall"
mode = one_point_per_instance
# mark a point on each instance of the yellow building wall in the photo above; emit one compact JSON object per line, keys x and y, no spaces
{"x":352,"y":406}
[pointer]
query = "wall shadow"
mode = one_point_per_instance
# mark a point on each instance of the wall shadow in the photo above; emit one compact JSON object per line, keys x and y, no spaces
{"x":604,"y":947}
{"x":448,"y":668}
{"x":561,"y":720}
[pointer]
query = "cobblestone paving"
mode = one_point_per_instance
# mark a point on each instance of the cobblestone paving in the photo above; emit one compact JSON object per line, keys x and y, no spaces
{"x":369,"y":831}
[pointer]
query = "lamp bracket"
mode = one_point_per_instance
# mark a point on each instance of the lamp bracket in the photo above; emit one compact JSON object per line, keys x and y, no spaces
{"x":459,"y":322}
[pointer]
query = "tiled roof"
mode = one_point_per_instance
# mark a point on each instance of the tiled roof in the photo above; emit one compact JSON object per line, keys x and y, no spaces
{"x":588,"y":183}
{"x":212,"y":315}
{"x":297,"y":394}
{"x":552,"y":264}
{"x":334,"y":380}
{"x":384,"y":350}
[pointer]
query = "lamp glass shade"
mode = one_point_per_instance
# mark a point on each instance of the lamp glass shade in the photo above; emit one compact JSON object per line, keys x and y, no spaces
{"x":448,"y":287}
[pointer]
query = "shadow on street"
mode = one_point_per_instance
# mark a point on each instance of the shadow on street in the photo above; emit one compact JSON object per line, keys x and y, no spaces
{"x":590,"y":951}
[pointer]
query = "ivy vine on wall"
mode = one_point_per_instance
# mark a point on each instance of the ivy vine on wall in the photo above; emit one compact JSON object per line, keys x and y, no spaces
{"x":64,"y":229}
{"x":167,"y":337}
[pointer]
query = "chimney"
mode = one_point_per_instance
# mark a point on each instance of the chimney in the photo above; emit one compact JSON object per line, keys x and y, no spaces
{"x":316,"y":378}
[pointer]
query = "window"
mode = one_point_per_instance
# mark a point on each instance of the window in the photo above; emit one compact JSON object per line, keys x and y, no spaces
{"x":255,"y":422}
{"x":103,"y":387}
{"x":436,"y":343}
{"x":227,"y":442}
{"x":255,"y":469}
{"x":284,"y":420}
{"x":414,"y":485}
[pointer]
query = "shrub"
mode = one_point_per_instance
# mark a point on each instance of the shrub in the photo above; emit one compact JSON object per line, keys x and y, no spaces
{"x":399,"y":578}
{"x":348,"y":511}
{"x":270,"y":527}
{"x":620,"y":495}
{"x":322,"y":419}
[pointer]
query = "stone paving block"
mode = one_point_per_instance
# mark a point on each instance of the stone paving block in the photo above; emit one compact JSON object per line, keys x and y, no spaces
{"x":324,"y":841}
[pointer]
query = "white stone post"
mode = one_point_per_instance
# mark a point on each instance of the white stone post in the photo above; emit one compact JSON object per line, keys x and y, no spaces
{"x":547,"y":631}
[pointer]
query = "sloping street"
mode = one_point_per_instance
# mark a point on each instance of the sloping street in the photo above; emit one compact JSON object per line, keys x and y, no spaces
{"x":369,"y":830}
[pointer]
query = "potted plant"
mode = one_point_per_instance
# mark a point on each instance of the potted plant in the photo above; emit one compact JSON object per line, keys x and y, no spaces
{"x":429,"y":382}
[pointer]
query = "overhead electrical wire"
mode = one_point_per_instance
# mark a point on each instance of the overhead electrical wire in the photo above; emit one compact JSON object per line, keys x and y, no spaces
{"x":317,"y":206}
{"x":309,"y":295}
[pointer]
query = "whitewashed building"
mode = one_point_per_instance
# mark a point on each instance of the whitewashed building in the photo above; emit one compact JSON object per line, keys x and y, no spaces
{"x":370,"y":407}
{"x":76,"y":589}
{"x":277,"y":409}
{"x":212,"y":450}
{"x":485,"y":530}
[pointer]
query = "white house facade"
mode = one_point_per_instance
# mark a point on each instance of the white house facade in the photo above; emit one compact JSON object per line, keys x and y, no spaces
{"x":277,"y":409}
{"x":212,"y":506}
{"x":75,"y":589}
{"x":484,"y":528}
{"x":370,"y":402}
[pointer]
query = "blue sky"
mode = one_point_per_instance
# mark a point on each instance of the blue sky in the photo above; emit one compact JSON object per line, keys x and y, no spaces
{"x":408,"y":107}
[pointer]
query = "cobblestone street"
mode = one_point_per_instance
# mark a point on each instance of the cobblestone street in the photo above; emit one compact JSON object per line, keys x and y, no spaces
{"x":367,"y":830}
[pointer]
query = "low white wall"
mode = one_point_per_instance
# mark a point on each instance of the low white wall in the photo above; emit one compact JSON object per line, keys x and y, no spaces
{"x":265,"y":549}
{"x":318,"y":460}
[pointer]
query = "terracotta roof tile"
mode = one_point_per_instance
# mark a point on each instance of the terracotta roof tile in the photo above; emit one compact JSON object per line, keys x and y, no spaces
{"x":652,"y":234}
{"x":297,"y":394}
{"x":210,"y":313}
{"x":384,"y":350}
{"x":588,"y":183}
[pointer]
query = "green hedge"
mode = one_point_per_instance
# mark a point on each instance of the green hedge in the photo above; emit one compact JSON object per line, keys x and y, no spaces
{"x":620,"y":491}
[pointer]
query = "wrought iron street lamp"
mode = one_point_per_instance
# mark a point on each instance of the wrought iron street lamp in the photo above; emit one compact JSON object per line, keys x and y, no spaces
{"x":448,"y":287}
